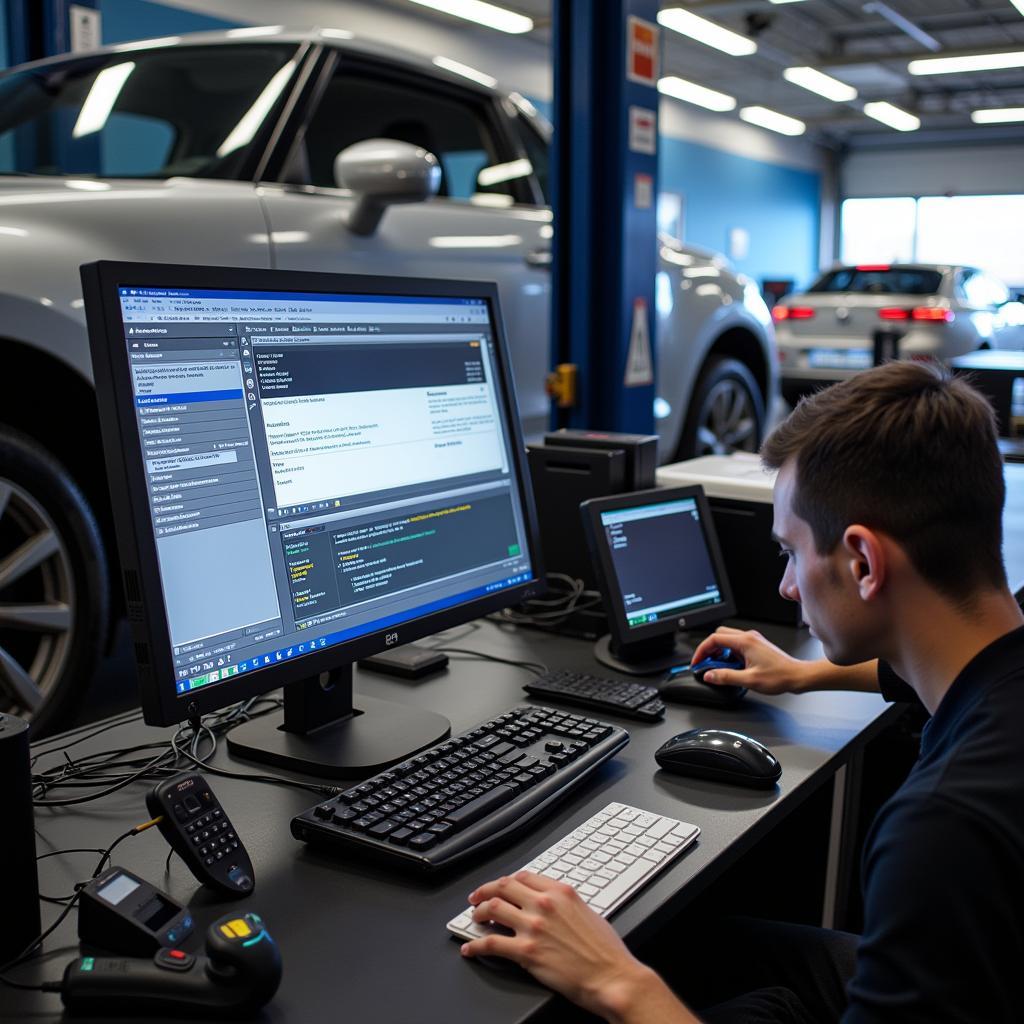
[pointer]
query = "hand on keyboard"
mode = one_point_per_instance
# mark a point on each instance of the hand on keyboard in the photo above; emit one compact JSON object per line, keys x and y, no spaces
{"x":558,"y":939}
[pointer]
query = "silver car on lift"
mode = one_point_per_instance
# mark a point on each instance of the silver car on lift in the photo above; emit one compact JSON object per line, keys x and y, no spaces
{"x":922,"y":311}
{"x":250,"y":148}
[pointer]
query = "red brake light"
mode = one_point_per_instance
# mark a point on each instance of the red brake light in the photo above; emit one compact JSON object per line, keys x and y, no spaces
{"x":893,"y":313}
{"x":801,"y":312}
{"x":780,"y":313}
{"x":932,"y":313}
{"x":874,"y":266}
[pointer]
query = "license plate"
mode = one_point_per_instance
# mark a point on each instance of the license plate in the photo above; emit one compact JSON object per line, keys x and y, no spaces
{"x":839,"y":358}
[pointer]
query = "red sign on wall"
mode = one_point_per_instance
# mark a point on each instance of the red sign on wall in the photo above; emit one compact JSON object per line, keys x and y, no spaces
{"x":641,"y":51}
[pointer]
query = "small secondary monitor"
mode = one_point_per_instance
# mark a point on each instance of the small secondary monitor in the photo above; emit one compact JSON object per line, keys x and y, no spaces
{"x":660,"y":571}
{"x":305,"y":469}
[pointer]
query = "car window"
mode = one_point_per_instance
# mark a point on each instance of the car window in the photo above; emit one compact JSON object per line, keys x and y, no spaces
{"x":148,"y":113}
{"x":880,"y":281}
{"x":538,"y":155}
{"x":358,"y":106}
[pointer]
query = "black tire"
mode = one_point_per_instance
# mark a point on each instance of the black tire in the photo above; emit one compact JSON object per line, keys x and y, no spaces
{"x":53,"y":569}
{"x":726,"y":411}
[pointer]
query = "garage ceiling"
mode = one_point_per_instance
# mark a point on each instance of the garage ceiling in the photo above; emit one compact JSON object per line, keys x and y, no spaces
{"x":864,"y":43}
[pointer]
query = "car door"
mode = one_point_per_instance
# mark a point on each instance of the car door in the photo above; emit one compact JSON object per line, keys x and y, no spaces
{"x":483,"y":225}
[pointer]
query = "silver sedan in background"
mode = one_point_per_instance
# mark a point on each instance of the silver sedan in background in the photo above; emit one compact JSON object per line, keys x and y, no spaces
{"x":925,"y":311}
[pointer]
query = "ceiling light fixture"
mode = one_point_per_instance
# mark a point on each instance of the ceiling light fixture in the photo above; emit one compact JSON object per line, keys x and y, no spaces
{"x":707,"y":32}
{"x":465,"y":70}
{"x":690,"y":92}
{"x":893,"y":116}
{"x":974,"y":62}
{"x":773,"y":120}
{"x":482,"y":13}
{"x":998,"y":115}
{"x":824,"y":85}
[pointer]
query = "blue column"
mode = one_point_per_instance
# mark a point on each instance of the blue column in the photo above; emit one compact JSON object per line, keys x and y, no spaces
{"x":605,"y":190}
{"x":39,"y":28}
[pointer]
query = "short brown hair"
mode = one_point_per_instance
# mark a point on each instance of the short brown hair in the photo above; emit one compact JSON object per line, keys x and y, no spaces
{"x":908,"y":450}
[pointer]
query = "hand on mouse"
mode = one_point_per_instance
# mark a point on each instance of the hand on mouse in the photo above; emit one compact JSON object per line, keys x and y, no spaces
{"x":768,"y":668}
{"x":571,"y":949}
{"x":772,"y":671}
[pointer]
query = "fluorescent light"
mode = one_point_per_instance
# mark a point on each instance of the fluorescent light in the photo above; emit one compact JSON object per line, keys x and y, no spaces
{"x":101,"y":99}
{"x":474,"y":241}
{"x":465,"y":70}
{"x":772,"y":120}
{"x":998,"y":115}
{"x":497,"y":173}
{"x":824,"y":85}
{"x":243,"y":132}
{"x":482,"y":13}
{"x":893,"y":116}
{"x":254,"y":32}
{"x":688,"y":24}
{"x":690,"y":92}
{"x":976,"y":62}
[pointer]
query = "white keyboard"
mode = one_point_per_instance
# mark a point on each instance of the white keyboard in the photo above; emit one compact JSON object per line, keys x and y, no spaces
{"x":607,"y":859}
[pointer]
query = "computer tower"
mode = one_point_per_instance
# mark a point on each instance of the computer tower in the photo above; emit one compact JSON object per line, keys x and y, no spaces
{"x":641,"y":451}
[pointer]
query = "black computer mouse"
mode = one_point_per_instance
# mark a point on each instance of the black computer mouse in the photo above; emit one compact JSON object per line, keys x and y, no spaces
{"x":722,"y":755}
{"x":725,"y":658}
{"x":681,"y":686}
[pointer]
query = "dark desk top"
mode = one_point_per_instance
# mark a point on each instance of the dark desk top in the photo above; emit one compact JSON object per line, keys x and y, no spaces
{"x":361,"y":943}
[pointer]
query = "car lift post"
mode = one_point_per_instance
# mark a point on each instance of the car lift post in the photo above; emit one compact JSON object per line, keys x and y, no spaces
{"x":605,"y":154}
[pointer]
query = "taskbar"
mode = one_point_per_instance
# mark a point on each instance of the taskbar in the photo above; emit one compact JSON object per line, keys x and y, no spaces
{"x":298,"y":650}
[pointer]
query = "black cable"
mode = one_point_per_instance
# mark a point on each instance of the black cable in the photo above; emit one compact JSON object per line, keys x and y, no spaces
{"x":536,"y":667}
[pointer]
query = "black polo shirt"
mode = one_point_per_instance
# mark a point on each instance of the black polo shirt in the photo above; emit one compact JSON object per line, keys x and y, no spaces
{"x":943,"y":870}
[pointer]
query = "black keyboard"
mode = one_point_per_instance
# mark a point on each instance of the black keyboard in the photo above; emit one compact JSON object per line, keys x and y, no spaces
{"x":466,"y":793}
{"x":634,"y":700}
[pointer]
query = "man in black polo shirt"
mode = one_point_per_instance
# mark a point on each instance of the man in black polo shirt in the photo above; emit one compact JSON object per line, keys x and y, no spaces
{"x":888,"y":509}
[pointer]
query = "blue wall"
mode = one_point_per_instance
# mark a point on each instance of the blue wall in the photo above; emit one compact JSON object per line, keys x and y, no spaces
{"x":127,"y":20}
{"x":778,"y":206}
{"x":4,"y":61}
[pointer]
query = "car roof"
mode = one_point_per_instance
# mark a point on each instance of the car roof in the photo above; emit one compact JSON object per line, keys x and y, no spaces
{"x":941,"y":268}
{"x":332,"y":37}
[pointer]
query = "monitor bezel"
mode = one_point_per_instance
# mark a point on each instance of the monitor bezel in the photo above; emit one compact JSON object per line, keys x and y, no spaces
{"x":621,"y":633}
{"x":161,"y":705}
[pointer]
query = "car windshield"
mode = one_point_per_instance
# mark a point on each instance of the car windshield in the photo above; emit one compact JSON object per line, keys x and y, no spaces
{"x":880,"y":281}
{"x":146,"y":113}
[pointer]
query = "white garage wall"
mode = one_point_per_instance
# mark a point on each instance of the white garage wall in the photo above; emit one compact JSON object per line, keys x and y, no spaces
{"x":934,"y":171}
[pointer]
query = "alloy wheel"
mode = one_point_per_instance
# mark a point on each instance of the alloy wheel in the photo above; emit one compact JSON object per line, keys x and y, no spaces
{"x":728,"y":420}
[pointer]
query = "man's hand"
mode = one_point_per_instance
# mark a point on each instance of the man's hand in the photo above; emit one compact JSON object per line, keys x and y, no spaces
{"x":569,"y":948}
{"x":770,"y":670}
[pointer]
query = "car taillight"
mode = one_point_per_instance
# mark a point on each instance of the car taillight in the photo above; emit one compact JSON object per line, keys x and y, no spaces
{"x":932,"y":314}
{"x":869,"y":268}
{"x":793,"y":312}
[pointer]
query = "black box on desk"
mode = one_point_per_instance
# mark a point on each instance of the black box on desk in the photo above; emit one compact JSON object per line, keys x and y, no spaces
{"x":640,"y":450}
{"x":739,"y":493}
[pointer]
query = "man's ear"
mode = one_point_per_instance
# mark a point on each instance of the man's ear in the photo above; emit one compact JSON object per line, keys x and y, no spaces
{"x":865,"y":559}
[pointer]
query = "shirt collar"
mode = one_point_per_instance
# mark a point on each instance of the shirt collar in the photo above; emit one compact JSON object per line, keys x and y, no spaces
{"x":977,"y":677}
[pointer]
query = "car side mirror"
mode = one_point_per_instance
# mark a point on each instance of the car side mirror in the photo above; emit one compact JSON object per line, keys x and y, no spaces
{"x":382,"y":172}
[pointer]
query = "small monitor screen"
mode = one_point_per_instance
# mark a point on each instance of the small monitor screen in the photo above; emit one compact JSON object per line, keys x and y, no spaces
{"x":318,"y":467}
{"x":661,"y":562}
{"x":117,"y":889}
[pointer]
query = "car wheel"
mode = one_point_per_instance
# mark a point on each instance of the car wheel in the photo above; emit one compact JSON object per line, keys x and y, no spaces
{"x":726,"y":412}
{"x":54,"y":586}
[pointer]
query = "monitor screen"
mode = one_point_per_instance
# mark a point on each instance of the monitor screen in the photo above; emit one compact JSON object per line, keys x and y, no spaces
{"x":659,"y":564}
{"x":660,"y":557}
{"x":318,"y":466}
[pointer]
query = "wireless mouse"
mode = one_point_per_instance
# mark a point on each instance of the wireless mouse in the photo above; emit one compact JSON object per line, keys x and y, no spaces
{"x":680,"y":686}
{"x":726,"y":658}
{"x":722,"y":755}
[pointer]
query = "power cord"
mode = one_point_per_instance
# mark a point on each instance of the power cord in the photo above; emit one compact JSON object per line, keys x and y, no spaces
{"x":29,"y":951}
{"x":555,"y":610}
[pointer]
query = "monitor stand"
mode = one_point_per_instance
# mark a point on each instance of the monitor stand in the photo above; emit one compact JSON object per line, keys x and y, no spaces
{"x":326,"y":735}
{"x":644,"y":657}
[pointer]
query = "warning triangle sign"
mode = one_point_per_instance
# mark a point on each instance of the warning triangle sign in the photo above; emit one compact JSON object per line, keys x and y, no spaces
{"x":639,"y":363}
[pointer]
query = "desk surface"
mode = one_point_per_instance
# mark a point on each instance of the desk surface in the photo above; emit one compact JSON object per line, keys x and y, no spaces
{"x":361,"y":943}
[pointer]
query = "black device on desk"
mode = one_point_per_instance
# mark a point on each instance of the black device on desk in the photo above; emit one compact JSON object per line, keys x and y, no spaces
{"x":661,"y":571}
{"x":239,"y":974}
{"x":296,"y":485}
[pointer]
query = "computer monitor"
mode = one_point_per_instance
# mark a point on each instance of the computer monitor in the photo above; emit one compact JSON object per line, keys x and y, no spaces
{"x":660,"y":571}
{"x":305,"y":469}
